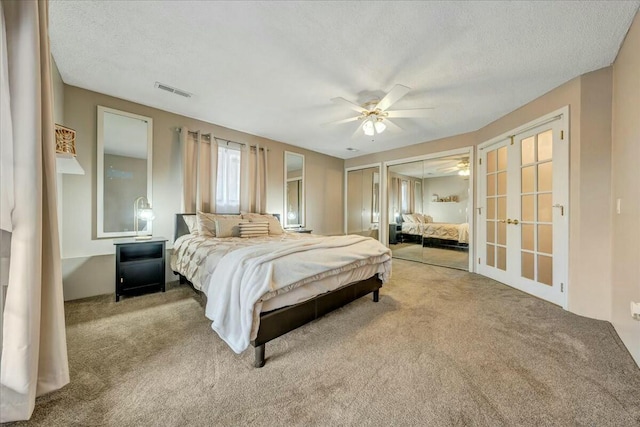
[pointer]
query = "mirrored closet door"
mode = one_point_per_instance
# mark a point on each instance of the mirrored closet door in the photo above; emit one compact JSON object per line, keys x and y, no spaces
{"x":429,"y":207}
{"x":363,"y":202}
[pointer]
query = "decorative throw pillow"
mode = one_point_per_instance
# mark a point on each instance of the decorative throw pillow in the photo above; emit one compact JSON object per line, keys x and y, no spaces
{"x":275,"y":228}
{"x":228,"y":227}
{"x":407,"y":218}
{"x":428,"y":219}
{"x":207,"y":222}
{"x":192,"y":223}
{"x":254,"y":229}
{"x":419,"y":218}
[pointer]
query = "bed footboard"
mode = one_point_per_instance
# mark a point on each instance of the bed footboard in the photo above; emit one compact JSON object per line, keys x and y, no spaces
{"x":278,"y":322}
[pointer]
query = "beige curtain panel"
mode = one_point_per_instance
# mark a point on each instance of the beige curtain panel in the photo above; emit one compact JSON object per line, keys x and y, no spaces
{"x":199,"y":171}
{"x":34,"y":350}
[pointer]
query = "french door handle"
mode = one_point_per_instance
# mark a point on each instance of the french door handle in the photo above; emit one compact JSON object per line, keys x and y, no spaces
{"x":503,"y":221}
{"x":512,"y":221}
{"x":560,"y":207}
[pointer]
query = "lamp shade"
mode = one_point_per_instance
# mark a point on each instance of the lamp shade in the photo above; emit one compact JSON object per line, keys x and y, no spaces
{"x":142,"y":211}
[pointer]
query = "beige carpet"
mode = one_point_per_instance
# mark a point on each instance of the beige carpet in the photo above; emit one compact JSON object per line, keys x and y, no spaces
{"x":441,"y":348}
{"x":452,"y":258}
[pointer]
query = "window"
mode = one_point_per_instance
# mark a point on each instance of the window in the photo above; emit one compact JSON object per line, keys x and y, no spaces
{"x":228,"y":184}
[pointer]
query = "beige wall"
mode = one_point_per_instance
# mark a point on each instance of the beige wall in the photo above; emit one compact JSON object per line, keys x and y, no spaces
{"x":625,"y":178}
{"x":589,"y":101}
{"x":88,"y":266}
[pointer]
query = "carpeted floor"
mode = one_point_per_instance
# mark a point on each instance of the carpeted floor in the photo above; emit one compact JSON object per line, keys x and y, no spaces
{"x":441,"y":348}
{"x":452,"y":258}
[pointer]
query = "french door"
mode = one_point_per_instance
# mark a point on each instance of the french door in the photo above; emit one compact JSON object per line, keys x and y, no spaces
{"x":523,"y":211}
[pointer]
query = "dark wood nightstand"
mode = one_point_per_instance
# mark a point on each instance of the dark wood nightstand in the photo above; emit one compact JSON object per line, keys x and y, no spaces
{"x":395,"y":233}
{"x":140,"y":266}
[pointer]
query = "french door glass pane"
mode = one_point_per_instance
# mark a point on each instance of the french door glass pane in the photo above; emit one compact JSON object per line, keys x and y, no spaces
{"x":491,"y":256}
{"x":527,"y":265}
{"x":527,"y":237}
{"x":528,"y":150}
{"x":545,"y":145}
{"x":527,"y":212}
{"x":545,"y":270}
{"x":502,"y":158}
{"x":544,"y":207}
{"x":545,"y":238}
{"x":528,"y":180}
{"x":501,"y":262}
{"x":545,"y":176}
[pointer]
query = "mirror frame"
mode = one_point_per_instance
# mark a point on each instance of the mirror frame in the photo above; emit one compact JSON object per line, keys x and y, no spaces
{"x":100,"y":171}
{"x":285,"y":221}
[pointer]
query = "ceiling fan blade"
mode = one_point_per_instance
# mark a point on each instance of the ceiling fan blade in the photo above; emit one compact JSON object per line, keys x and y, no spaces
{"x":350,"y":119}
{"x":392,"y":126}
{"x":415,"y":112}
{"x":349,"y":104}
{"x":392,"y":97}
{"x":359,"y":131}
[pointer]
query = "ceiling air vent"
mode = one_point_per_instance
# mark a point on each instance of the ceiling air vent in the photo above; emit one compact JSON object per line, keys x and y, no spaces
{"x":173,"y":90}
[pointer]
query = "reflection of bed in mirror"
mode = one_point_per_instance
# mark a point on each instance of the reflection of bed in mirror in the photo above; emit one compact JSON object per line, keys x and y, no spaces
{"x":420,"y":227}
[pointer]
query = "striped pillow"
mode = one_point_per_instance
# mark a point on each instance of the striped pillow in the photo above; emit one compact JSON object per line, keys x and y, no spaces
{"x":254,"y":229}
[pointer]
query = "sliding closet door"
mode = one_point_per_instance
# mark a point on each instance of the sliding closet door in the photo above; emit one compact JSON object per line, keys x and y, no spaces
{"x":362,"y":202}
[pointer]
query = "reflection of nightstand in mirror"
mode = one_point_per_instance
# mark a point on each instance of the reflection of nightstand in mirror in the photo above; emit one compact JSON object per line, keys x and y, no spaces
{"x":299,"y":230}
{"x":395,"y":233}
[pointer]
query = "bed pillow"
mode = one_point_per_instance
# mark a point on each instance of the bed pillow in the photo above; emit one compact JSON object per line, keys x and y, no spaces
{"x":419,"y":218}
{"x":275,"y":229}
{"x":207,"y":222}
{"x":254,"y":229}
{"x":407,"y":218}
{"x":228,"y":227}
{"x":192,"y":223}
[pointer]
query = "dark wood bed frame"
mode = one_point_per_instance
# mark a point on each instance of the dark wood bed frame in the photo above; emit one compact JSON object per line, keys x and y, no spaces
{"x":278,"y":322}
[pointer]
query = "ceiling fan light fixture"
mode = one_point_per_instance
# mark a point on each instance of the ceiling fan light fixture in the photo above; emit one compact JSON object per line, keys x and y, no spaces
{"x":380,"y":127}
{"x":368,"y":128}
{"x":464,"y":172}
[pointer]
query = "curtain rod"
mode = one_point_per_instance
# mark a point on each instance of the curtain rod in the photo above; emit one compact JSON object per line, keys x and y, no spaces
{"x":195,"y":132}
{"x":228,"y":141}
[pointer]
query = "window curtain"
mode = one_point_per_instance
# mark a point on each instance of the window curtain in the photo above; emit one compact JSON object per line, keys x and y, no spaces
{"x":34,"y":351}
{"x":258,"y":179}
{"x":199,"y":165}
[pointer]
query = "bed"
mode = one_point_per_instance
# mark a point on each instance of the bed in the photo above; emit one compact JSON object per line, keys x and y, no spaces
{"x":275,"y":284}
{"x":438,"y":233}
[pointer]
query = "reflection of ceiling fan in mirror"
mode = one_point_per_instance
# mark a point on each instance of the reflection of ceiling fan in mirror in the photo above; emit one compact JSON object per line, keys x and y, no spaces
{"x":459,"y":165}
{"x":375,"y":115}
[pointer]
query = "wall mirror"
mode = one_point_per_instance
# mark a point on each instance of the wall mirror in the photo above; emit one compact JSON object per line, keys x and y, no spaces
{"x":124,"y":171}
{"x":293,"y":189}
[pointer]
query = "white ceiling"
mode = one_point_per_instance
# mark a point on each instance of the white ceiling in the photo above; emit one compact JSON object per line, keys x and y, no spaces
{"x":270,"y":68}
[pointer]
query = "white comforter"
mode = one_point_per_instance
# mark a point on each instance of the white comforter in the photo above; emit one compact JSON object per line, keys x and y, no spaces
{"x":246,"y":277}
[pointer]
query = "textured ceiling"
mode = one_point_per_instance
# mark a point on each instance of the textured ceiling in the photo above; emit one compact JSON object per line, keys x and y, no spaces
{"x":270,"y":68}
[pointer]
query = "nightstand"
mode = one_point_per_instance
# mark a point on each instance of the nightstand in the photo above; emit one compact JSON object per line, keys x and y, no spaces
{"x":140,"y":266}
{"x":299,"y":230}
{"x":395,"y":233}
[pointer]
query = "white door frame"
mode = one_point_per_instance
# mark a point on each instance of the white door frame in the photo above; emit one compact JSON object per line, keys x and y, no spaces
{"x":561,"y":252}
{"x":380,"y":192}
{"x":468,"y":150}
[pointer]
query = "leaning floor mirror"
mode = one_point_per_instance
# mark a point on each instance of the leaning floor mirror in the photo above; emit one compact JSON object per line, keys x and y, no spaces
{"x":123,"y":173}
{"x":293,"y":189}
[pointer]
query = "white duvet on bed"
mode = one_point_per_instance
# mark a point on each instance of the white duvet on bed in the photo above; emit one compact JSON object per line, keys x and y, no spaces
{"x":269,"y":271}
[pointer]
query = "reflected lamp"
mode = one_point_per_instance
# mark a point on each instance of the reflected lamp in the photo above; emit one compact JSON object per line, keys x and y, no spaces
{"x":142,"y":211}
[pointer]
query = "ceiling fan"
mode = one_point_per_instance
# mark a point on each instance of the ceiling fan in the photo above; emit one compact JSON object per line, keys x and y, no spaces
{"x":462,"y":166}
{"x":375,"y":115}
